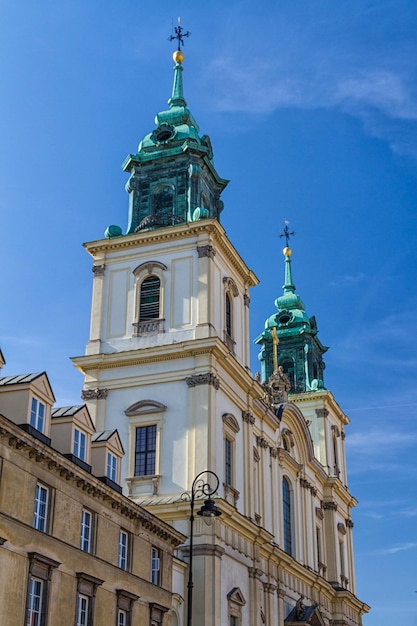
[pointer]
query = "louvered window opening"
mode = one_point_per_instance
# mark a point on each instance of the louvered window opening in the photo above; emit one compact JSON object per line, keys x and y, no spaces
{"x":149,"y":299}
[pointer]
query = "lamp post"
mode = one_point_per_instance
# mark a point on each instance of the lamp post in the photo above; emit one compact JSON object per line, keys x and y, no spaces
{"x":201,"y":487}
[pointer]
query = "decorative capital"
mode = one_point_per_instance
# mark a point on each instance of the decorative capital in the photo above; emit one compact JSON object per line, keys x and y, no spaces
{"x":203,"y":379}
{"x":322,"y":412}
{"x":246,"y":299}
{"x":273,"y":452}
{"x":349,"y":523}
{"x":98,"y":270}
{"x":262,"y":442}
{"x":254,"y":572}
{"x":330,"y":506}
{"x":206,"y":251}
{"x":248,"y":417}
{"x":94,"y":394}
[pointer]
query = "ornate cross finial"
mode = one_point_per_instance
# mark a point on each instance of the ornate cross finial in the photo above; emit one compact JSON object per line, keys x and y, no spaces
{"x":287,"y":234}
{"x":179,"y":34}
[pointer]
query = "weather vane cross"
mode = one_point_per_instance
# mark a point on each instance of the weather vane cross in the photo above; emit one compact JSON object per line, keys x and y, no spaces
{"x":179,"y":34}
{"x":287,"y":234}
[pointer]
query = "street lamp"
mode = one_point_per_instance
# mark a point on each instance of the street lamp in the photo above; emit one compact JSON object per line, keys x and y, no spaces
{"x":201,"y":487}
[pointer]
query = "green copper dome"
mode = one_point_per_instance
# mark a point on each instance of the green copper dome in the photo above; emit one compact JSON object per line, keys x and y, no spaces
{"x":172,"y":176}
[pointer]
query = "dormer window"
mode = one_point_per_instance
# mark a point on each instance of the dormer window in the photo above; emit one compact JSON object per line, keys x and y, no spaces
{"x":111,"y":467}
{"x":79,"y":447}
{"x":37,"y":415}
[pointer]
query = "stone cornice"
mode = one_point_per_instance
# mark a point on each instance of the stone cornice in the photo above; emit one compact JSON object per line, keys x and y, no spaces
{"x":15,"y":437}
{"x":209,"y":230}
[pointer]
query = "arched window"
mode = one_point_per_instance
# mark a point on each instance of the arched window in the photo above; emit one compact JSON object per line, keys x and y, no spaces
{"x":287,"y":514}
{"x":149,"y":299}
{"x":229,"y":325}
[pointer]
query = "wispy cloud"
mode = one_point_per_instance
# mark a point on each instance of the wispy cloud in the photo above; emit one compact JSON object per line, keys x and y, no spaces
{"x":330,"y":62}
{"x":400,"y":547}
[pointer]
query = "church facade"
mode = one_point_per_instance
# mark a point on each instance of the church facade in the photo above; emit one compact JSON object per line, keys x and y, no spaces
{"x":167,"y":365}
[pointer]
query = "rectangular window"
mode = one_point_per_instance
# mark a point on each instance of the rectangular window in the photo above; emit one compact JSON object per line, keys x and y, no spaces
{"x":86,"y":538}
{"x":156,"y":566}
{"x":123,"y":550}
{"x":40,"y":515}
{"x":121,"y":618}
{"x":79,"y":444}
{"x":35,"y":602}
{"x":82,"y":610}
{"x":37,"y":415}
{"x":228,"y":453}
{"x":233,"y":620}
{"x":145,"y":450}
{"x":111,"y":467}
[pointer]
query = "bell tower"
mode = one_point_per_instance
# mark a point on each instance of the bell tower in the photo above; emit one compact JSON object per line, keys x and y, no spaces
{"x":290,"y":338}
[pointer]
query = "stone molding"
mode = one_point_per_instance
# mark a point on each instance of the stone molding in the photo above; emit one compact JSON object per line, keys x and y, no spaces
{"x":84,"y":481}
{"x":230,"y":420}
{"x":203,"y":379}
{"x":231,"y":495}
{"x":231,"y":286}
{"x":204,"y":549}
{"x":94,"y":394}
{"x":341,"y":528}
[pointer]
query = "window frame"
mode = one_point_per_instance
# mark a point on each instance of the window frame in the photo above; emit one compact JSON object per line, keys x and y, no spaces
{"x":112,"y":466}
{"x":41,"y":522}
{"x":156,"y":566}
{"x":88,"y":542}
{"x":35,"y":419}
{"x":124,"y":554}
{"x":149,"y":452}
{"x":79,"y":446}
{"x":40,"y":571}
{"x":152,"y":325}
{"x":86,"y":590}
{"x":288,"y":516}
{"x":39,"y":611}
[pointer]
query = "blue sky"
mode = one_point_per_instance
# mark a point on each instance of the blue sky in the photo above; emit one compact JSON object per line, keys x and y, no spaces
{"x":312,"y":111}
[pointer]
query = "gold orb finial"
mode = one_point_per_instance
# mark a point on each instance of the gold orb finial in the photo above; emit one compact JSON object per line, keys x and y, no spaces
{"x":287,"y":251}
{"x":178,"y":56}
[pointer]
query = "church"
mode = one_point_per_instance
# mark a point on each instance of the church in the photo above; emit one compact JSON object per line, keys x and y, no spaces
{"x":167,"y":365}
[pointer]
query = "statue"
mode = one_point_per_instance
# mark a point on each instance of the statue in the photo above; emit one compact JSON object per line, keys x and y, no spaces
{"x":277,"y":387}
{"x":300,"y":609}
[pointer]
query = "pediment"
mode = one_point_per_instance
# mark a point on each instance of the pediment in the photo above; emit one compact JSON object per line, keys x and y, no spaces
{"x":231,"y":421}
{"x":42,"y":387}
{"x":144,"y":407}
{"x":236,"y":596}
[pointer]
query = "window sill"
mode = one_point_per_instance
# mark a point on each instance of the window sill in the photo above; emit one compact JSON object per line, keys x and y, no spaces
{"x":150,"y":327}
{"x":140,"y":486}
